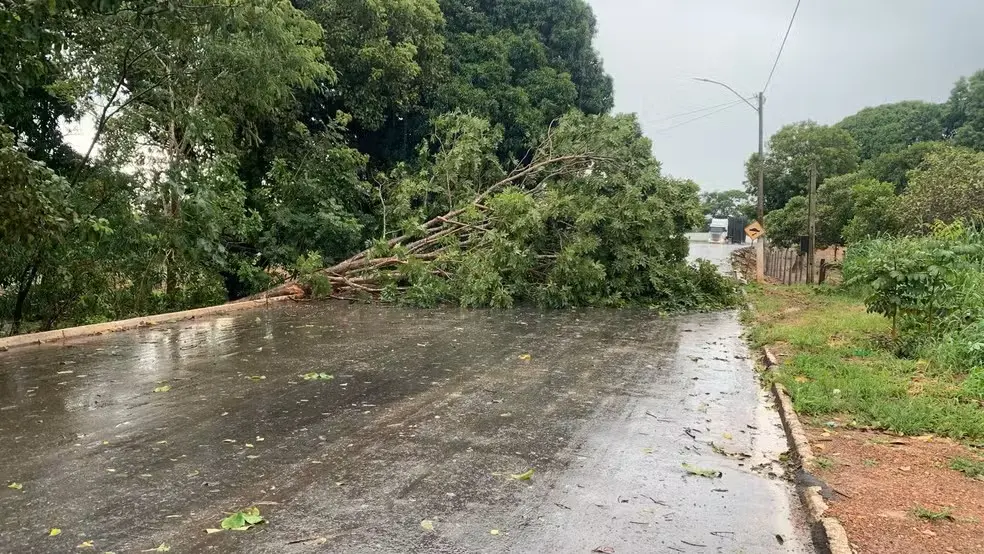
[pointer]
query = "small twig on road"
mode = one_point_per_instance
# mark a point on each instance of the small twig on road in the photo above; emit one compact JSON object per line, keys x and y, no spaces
{"x":694,"y":544}
{"x":562,"y":506}
{"x":722,"y":533}
{"x":660,"y":502}
{"x":316,"y":540}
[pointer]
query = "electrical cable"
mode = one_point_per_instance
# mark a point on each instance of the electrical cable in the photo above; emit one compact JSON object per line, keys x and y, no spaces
{"x":732,"y":104}
{"x":691,"y":112}
{"x":783,"y":46}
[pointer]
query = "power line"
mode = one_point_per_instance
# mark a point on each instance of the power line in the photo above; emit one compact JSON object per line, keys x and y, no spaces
{"x":729,"y":105}
{"x":788,"y":29}
{"x":691,"y":112}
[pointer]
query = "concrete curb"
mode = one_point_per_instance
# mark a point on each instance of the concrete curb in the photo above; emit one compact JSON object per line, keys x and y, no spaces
{"x":828,"y":533}
{"x":7,"y":343}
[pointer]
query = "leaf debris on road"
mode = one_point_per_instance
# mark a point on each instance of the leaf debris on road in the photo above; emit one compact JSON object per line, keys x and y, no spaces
{"x":243,"y":520}
{"x":316,"y":376}
{"x":525,"y":476}
{"x":700,"y":472}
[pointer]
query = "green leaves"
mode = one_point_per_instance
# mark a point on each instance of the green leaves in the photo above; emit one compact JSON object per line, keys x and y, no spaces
{"x":525,"y":476}
{"x":243,"y":520}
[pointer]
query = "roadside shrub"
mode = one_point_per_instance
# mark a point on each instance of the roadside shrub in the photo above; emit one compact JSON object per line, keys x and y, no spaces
{"x":931,"y":287}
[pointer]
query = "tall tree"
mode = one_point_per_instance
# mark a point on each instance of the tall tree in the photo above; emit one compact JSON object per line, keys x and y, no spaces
{"x":726,"y":203}
{"x":964,"y":119}
{"x":793,"y":150}
{"x":522,"y":64}
{"x":893,"y":127}
{"x":948,"y":186}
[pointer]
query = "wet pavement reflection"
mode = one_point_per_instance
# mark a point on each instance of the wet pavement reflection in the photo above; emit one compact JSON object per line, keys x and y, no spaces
{"x":426,"y":417}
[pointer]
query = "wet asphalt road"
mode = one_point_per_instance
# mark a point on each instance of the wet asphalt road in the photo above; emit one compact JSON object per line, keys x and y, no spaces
{"x":428,"y":414}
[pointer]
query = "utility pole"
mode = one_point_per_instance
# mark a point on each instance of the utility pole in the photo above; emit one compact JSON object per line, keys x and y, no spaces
{"x":812,"y":223}
{"x":760,"y":243}
{"x":761,"y":164}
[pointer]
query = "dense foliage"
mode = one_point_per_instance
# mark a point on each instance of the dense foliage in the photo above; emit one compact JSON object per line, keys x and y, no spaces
{"x":931,"y":287}
{"x":229,"y":145}
{"x":589,"y":220}
{"x":727,"y":203}
{"x":895,"y":168}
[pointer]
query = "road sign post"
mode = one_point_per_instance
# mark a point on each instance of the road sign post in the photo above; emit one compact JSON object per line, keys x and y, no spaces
{"x":755,"y":231}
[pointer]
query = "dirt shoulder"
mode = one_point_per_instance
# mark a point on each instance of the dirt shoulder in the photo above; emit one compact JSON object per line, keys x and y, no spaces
{"x":895,"y":441}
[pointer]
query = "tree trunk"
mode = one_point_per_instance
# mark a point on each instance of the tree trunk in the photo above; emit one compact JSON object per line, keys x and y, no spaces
{"x":25,"y":289}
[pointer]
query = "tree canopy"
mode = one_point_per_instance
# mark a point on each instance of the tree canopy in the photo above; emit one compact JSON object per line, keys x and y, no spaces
{"x":893,"y":127}
{"x":236,"y":144}
{"x":793,"y":150}
{"x":726,"y":203}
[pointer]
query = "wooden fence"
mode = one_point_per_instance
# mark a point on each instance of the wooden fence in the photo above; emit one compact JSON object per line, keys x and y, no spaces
{"x":788,"y":265}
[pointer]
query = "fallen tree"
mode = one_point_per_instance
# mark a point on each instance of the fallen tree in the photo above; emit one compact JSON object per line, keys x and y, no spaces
{"x":587,"y":220}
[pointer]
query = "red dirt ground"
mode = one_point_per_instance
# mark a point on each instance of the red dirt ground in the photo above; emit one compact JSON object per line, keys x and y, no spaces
{"x":879,"y":479}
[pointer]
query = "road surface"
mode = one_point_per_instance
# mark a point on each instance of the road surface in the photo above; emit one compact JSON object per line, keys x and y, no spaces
{"x":410,"y":447}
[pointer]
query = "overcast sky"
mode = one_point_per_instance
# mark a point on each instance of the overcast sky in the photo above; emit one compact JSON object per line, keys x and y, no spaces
{"x":842,"y":55}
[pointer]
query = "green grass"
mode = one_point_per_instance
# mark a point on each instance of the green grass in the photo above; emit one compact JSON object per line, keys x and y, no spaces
{"x":838,"y":360}
{"x":971,"y":468}
{"x":943,"y":514}
{"x":823,"y":462}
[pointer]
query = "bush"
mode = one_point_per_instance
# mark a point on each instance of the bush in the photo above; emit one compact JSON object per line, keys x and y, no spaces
{"x":931,"y":287}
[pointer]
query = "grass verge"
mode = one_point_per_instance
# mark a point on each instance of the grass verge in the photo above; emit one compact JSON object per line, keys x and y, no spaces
{"x":839,"y":361}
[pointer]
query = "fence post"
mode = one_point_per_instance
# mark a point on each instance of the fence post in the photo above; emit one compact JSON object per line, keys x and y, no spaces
{"x":823,"y":270}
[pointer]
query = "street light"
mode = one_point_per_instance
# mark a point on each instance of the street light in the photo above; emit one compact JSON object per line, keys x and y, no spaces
{"x":761,"y":165}
{"x":759,"y":244}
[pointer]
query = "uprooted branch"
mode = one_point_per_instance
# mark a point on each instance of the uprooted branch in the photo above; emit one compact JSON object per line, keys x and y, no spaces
{"x":361,"y":273}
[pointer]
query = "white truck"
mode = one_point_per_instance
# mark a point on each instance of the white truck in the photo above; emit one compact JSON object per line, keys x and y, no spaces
{"x":718,"y":231}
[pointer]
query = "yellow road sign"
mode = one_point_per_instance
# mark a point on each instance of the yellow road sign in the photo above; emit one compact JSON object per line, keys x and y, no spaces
{"x":754,"y":230}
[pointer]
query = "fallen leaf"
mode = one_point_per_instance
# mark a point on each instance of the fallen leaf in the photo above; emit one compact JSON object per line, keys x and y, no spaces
{"x":427,"y":525}
{"x":647,"y":450}
{"x":727,"y":436}
{"x":709,"y":473}
{"x":243,"y":520}
{"x":54,"y":532}
{"x":86,"y":544}
{"x":525,"y":476}
{"x":315,"y":376}
{"x":248,"y":445}
{"x":210,"y":531}
{"x":494,"y":532}
{"x":15,"y":486}
{"x":257,"y":377}
{"x":605,"y":549}
{"x":163,"y":388}
{"x":525,"y":357}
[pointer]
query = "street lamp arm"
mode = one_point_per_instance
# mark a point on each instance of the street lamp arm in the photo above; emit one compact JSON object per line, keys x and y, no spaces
{"x":745,"y":100}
